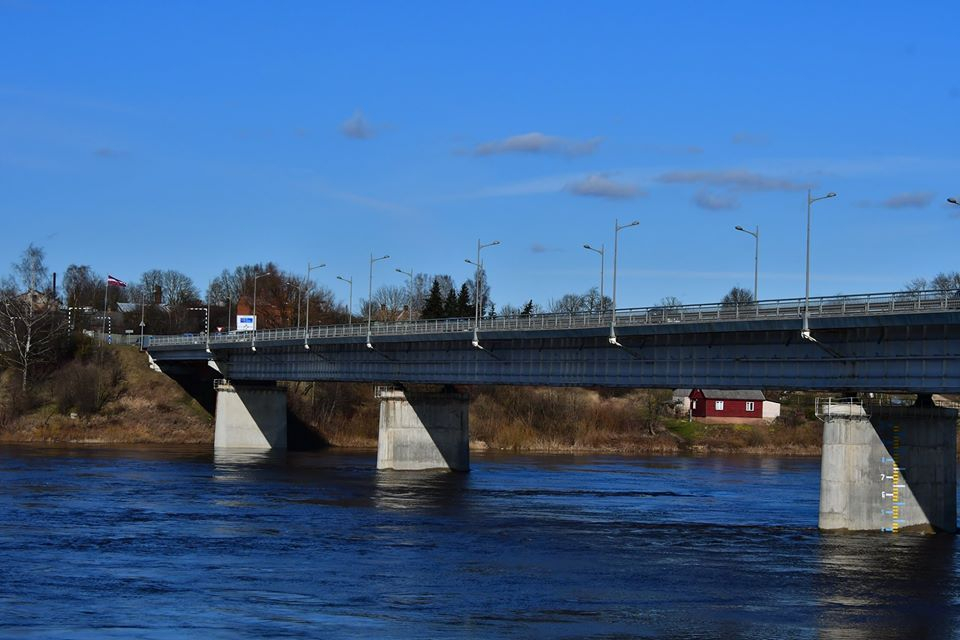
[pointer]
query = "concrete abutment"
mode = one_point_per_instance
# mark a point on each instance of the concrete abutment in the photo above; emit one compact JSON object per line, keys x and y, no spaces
{"x":250,"y":416}
{"x":888,"y":468}
{"x":423,"y":430}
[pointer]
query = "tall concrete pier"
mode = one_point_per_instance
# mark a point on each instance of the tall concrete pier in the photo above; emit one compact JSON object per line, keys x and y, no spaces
{"x":888,"y":468}
{"x":423,"y":430}
{"x":250,"y":416}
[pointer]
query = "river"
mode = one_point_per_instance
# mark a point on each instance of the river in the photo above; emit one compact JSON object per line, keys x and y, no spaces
{"x":185,"y":542}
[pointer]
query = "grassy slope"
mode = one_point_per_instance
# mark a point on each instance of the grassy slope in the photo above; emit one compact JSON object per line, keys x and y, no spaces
{"x":147,"y":407}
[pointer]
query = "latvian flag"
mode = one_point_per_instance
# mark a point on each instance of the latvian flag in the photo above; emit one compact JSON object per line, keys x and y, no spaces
{"x":115,"y":282}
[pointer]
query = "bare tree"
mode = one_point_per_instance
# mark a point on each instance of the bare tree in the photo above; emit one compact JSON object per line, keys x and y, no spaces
{"x":83,"y":286}
{"x":177,"y":289}
{"x":31,"y":323}
{"x":568,"y":303}
{"x":946,"y":282}
{"x":737,"y":296}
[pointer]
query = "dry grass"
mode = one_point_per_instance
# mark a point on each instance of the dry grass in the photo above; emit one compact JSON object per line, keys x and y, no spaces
{"x":140,"y":406}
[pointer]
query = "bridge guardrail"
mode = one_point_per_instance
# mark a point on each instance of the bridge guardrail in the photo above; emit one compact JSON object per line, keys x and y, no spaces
{"x":820,"y":307}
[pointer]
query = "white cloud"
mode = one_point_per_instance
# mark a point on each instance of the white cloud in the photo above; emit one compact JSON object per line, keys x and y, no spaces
{"x":536,"y":142}
{"x":706,"y":199}
{"x":356,"y":127}
{"x":598,"y":185}
{"x":739,"y":179}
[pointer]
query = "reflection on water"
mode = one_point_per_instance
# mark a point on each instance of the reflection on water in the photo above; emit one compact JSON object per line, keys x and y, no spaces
{"x":167,"y":543}
{"x":876,"y":586}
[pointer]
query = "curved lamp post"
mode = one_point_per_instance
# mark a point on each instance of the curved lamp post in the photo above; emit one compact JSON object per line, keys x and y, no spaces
{"x":478,"y":290}
{"x":617,"y":228}
{"x":253,"y":340}
{"x":805,"y":332}
{"x":370,"y":298}
{"x":756,"y":258}
{"x":349,"y":281}
{"x":306,"y":286}
{"x":600,"y":251}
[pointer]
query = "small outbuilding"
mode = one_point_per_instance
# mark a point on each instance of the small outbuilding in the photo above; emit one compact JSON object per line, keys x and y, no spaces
{"x":724,"y":405}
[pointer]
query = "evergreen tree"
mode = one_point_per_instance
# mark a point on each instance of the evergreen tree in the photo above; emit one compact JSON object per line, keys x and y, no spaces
{"x":434,"y":307}
{"x":464,"y":303}
{"x":527,"y":308}
{"x":450,"y":306}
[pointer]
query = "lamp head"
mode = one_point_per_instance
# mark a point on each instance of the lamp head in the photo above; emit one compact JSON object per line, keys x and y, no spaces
{"x":953,"y":201}
{"x":830,"y":195}
{"x":739,"y":228}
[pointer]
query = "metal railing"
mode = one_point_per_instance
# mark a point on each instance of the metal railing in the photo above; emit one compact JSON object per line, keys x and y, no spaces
{"x":850,"y":407}
{"x":820,"y":307}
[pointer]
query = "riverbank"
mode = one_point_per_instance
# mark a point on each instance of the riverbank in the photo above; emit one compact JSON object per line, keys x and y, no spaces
{"x":119,"y":399}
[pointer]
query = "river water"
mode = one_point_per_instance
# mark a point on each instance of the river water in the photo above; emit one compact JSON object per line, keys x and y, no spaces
{"x":184,"y":542}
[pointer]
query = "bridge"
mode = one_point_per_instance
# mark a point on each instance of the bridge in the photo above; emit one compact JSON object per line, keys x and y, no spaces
{"x":888,"y":342}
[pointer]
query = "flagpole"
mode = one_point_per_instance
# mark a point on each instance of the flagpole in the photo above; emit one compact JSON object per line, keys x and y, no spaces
{"x":103,"y":327}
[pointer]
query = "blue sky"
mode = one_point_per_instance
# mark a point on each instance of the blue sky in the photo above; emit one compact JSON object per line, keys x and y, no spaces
{"x":200,"y":136}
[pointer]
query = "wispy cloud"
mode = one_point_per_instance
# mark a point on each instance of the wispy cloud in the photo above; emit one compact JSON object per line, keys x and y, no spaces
{"x":108,"y":153}
{"x":706,"y":199}
{"x":749,"y":138}
{"x":537,"y":247}
{"x":356,"y":127}
{"x":908,"y":200}
{"x":599,"y":185}
{"x":535,"y":142}
{"x":913,"y":200}
{"x":737,"y":179}
{"x":673,"y":149}
{"x":368,"y":202}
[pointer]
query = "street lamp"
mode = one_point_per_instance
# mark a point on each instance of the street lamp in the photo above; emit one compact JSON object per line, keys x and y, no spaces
{"x":756,"y":258}
{"x":600,"y":251}
{"x":350,"y":309}
{"x":143,"y":312}
{"x":370,"y":297}
{"x":805,"y":332}
{"x":478,"y":289}
{"x":299,"y":289}
{"x":306,"y":285}
{"x":253,"y":340}
{"x":617,"y":228}
{"x":410,"y":307}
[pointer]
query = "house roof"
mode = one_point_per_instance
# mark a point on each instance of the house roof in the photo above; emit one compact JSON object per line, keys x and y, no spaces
{"x":730,"y":394}
{"x":682,"y":393}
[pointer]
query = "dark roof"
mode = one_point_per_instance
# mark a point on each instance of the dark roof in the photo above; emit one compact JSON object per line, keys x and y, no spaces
{"x":730,"y":394}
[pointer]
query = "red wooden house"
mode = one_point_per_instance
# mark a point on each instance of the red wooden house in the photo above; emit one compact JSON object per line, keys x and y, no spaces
{"x":720,"y":404}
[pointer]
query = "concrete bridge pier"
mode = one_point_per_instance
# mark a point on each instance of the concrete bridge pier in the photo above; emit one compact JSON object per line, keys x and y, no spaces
{"x":423,"y":430}
{"x":888,"y":468}
{"x":250,"y":416}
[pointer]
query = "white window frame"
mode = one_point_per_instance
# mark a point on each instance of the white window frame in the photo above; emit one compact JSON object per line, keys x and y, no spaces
{"x":718,"y":405}
{"x":750,"y":406}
